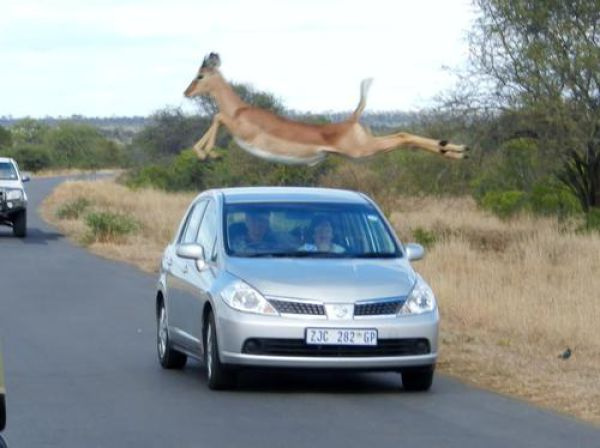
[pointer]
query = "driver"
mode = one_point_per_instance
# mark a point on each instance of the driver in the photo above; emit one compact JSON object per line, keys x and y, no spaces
{"x":258,"y":234}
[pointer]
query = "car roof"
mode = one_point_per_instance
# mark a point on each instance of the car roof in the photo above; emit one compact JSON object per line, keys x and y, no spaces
{"x":290,"y":194}
{"x":6,"y":159}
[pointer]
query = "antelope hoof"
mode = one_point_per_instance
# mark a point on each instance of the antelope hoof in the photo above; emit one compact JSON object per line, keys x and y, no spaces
{"x":201,"y":154}
{"x":449,"y":147}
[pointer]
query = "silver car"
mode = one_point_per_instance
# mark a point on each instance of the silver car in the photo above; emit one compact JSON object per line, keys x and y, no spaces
{"x":293,"y":278}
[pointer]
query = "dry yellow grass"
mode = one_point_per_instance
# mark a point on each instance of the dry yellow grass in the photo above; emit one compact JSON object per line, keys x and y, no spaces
{"x":513,"y":295}
{"x":75,"y":172}
{"x":159,"y":214}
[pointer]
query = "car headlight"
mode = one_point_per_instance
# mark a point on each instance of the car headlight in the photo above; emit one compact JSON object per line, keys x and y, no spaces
{"x":243,"y":297}
{"x":14,"y":195}
{"x":420,"y":300}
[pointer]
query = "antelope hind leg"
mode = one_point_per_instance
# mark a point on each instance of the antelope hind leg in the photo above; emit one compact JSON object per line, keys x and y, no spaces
{"x":403,"y":139}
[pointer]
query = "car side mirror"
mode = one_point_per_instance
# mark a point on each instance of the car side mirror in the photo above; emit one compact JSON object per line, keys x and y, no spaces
{"x":25,"y":178}
{"x":414,"y":251}
{"x":192,"y":251}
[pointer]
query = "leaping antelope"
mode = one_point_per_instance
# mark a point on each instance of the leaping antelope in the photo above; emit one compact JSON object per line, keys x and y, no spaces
{"x":279,"y":139}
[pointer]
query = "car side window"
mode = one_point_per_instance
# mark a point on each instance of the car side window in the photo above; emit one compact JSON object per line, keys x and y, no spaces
{"x":190,"y":231}
{"x":208,"y":229}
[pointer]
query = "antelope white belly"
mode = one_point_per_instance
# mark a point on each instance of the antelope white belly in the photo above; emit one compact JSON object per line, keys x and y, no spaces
{"x":288,"y":159}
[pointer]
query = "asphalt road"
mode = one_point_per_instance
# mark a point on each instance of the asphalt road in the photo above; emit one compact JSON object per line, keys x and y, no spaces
{"x":81,"y":371}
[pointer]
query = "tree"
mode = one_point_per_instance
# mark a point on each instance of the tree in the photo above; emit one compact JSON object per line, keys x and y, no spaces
{"x":29,"y":131}
{"x":542,"y":58}
{"x":248,"y":94}
{"x":169,"y":133}
{"x":6,"y":140}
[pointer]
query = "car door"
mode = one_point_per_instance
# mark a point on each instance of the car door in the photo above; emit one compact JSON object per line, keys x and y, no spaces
{"x":201,"y":277}
{"x":178,"y":288}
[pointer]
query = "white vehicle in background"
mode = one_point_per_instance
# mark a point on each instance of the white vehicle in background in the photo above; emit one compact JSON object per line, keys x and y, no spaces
{"x":13,"y":199}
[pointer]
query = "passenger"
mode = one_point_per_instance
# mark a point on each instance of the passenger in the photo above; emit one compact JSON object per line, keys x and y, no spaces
{"x":321,"y":232}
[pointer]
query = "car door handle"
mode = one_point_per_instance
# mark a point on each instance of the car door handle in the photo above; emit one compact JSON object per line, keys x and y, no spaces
{"x":169,"y":261}
{"x":185,"y":269}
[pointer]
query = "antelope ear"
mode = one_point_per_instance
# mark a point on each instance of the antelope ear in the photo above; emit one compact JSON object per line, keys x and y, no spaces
{"x":215,"y":60}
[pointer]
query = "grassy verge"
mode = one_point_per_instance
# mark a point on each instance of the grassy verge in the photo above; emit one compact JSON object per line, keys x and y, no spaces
{"x":513,"y":294}
{"x":74,"y":172}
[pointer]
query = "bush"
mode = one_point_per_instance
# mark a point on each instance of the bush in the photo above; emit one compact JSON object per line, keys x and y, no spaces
{"x":592,"y":219}
{"x":81,"y":146}
{"x":424,"y":237}
{"x":550,"y":198}
{"x":504,"y":203}
{"x":6,"y":140}
{"x":31,"y":157}
{"x":73,"y":209}
{"x":107,"y":226}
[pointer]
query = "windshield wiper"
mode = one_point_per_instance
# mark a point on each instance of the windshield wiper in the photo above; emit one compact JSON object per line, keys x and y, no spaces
{"x":295,"y":254}
{"x":376,"y":255}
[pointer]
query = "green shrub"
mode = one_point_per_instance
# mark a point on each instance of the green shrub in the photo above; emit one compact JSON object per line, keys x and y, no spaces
{"x":592,"y":219}
{"x":31,"y":157}
{"x":107,"y":226}
{"x":550,"y":198}
{"x":504,"y":203}
{"x":424,"y":237}
{"x":73,"y":209}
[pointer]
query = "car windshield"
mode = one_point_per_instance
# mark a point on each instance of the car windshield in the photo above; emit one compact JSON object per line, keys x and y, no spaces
{"x":307,"y":230}
{"x":7,"y":171}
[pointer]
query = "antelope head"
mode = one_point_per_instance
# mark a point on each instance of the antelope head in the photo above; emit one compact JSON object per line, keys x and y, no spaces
{"x":202,"y":82}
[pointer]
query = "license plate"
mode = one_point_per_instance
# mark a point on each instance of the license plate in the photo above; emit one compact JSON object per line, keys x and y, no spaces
{"x":341,"y":336}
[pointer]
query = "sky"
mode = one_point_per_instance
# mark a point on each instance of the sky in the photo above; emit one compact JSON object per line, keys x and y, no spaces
{"x":134,"y":57}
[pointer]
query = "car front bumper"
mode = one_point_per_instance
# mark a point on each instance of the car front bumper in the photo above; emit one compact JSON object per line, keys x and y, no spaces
{"x":9,"y":208}
{"x":235,"y":328}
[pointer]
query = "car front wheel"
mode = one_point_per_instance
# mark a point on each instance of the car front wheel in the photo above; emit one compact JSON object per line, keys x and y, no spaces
{"x":219,"y":376}
{"x":168,"y":357}
{"x":20,"y":224}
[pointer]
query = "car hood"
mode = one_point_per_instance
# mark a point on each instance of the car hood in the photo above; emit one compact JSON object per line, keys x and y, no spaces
{"x":11,"y":184}
{"x":327,"y":280}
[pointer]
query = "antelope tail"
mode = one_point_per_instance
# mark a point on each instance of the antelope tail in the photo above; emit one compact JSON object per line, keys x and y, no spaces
{"x":364,"y":90}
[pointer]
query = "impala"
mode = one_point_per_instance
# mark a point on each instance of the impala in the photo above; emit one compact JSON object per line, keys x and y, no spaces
{"x":275,"y":138}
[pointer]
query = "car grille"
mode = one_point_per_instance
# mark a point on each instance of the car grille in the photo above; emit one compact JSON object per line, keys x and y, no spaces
{"x":297,"y":347}
{"x":289,"y":307}
{"x":384,"y":307}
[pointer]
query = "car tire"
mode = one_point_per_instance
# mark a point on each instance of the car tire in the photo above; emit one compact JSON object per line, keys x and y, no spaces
{"x":168,"y":357}
{"x":2,"y":412}
{"x":418,"y":380}
{"x":220,"y":377}
{"x":20,"y":224}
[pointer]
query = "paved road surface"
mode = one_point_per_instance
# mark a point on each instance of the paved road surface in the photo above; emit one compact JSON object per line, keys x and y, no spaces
{"x":81,"y":372}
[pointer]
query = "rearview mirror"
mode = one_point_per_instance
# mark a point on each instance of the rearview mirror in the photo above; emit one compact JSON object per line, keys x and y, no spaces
{"x":414,"y":251}
{"x":192,"y":251}
{"x":25,"y":178}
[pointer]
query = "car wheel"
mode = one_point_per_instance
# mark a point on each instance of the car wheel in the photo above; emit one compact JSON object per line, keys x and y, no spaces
{"x":419,"y":379}
{"x":2,"y":412}
{"x":219,"y":376}
{"x":20,"y":224}
{"x":168,"y":357}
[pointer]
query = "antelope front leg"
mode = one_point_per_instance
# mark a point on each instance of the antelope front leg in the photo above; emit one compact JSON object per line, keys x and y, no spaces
{"x":205,"y":145}
{"x":403,"y":139}
{"x":198,"y":147}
